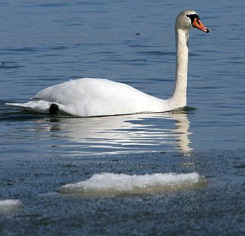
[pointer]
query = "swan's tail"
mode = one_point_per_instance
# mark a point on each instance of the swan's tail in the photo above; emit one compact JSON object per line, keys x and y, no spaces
{"x":39,"y":106}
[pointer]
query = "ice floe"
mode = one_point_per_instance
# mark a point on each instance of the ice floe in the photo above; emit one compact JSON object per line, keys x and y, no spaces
{"x":10,"y":206}
{"x":114,"y":184}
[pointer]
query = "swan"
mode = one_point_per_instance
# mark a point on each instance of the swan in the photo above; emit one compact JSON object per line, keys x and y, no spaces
{"x":88,"y":97}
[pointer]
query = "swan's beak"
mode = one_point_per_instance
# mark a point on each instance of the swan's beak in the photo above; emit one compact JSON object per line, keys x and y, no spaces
{"x":199,"y":25}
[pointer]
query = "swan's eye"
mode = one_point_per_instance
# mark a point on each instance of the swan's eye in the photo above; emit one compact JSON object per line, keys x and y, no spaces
{"x":192,"y":17}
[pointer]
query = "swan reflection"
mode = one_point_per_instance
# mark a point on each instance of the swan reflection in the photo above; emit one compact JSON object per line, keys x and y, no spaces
{"x":120,"y":134}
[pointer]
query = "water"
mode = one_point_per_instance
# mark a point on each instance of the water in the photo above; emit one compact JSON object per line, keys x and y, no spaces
{"x":44,"y":43}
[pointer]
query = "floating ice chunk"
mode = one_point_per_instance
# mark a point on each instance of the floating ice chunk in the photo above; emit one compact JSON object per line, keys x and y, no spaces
{"x":114,"y":184}
{"x":10,"y":206}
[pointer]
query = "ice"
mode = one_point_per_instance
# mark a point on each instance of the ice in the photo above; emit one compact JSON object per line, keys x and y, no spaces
{"x":10,"y":206}
{"x":114,"y":184}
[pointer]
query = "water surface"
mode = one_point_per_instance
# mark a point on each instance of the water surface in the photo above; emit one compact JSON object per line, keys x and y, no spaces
{"x":44,"y":43}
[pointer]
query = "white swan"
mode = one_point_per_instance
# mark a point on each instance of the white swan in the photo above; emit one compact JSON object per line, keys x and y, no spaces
{"x":101,"y":97}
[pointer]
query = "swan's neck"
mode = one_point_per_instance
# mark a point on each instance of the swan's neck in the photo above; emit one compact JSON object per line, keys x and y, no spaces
{"x":178,"y":98}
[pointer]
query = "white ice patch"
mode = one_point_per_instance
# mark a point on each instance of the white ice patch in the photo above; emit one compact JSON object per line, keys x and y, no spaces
{"x":10,"y":206}
{"x":114,"y":184}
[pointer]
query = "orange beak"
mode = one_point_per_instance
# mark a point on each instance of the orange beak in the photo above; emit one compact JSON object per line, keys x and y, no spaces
{"x":198,"y":24}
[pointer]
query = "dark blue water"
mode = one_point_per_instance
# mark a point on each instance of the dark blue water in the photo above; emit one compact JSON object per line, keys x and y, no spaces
{"x":47,"y":42}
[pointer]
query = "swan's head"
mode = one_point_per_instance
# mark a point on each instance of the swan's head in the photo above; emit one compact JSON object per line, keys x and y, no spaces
{"x":189,"y":19}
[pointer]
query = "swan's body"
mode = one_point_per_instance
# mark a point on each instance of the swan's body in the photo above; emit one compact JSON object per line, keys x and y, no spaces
{"x":100,"y":97}
{"x":94,"y":97}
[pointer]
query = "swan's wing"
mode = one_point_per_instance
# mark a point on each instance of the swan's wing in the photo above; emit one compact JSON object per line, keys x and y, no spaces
{"x":95,"y":97}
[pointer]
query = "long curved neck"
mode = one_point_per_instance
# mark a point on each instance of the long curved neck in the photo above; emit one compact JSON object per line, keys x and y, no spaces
{"x":178,"y":98}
